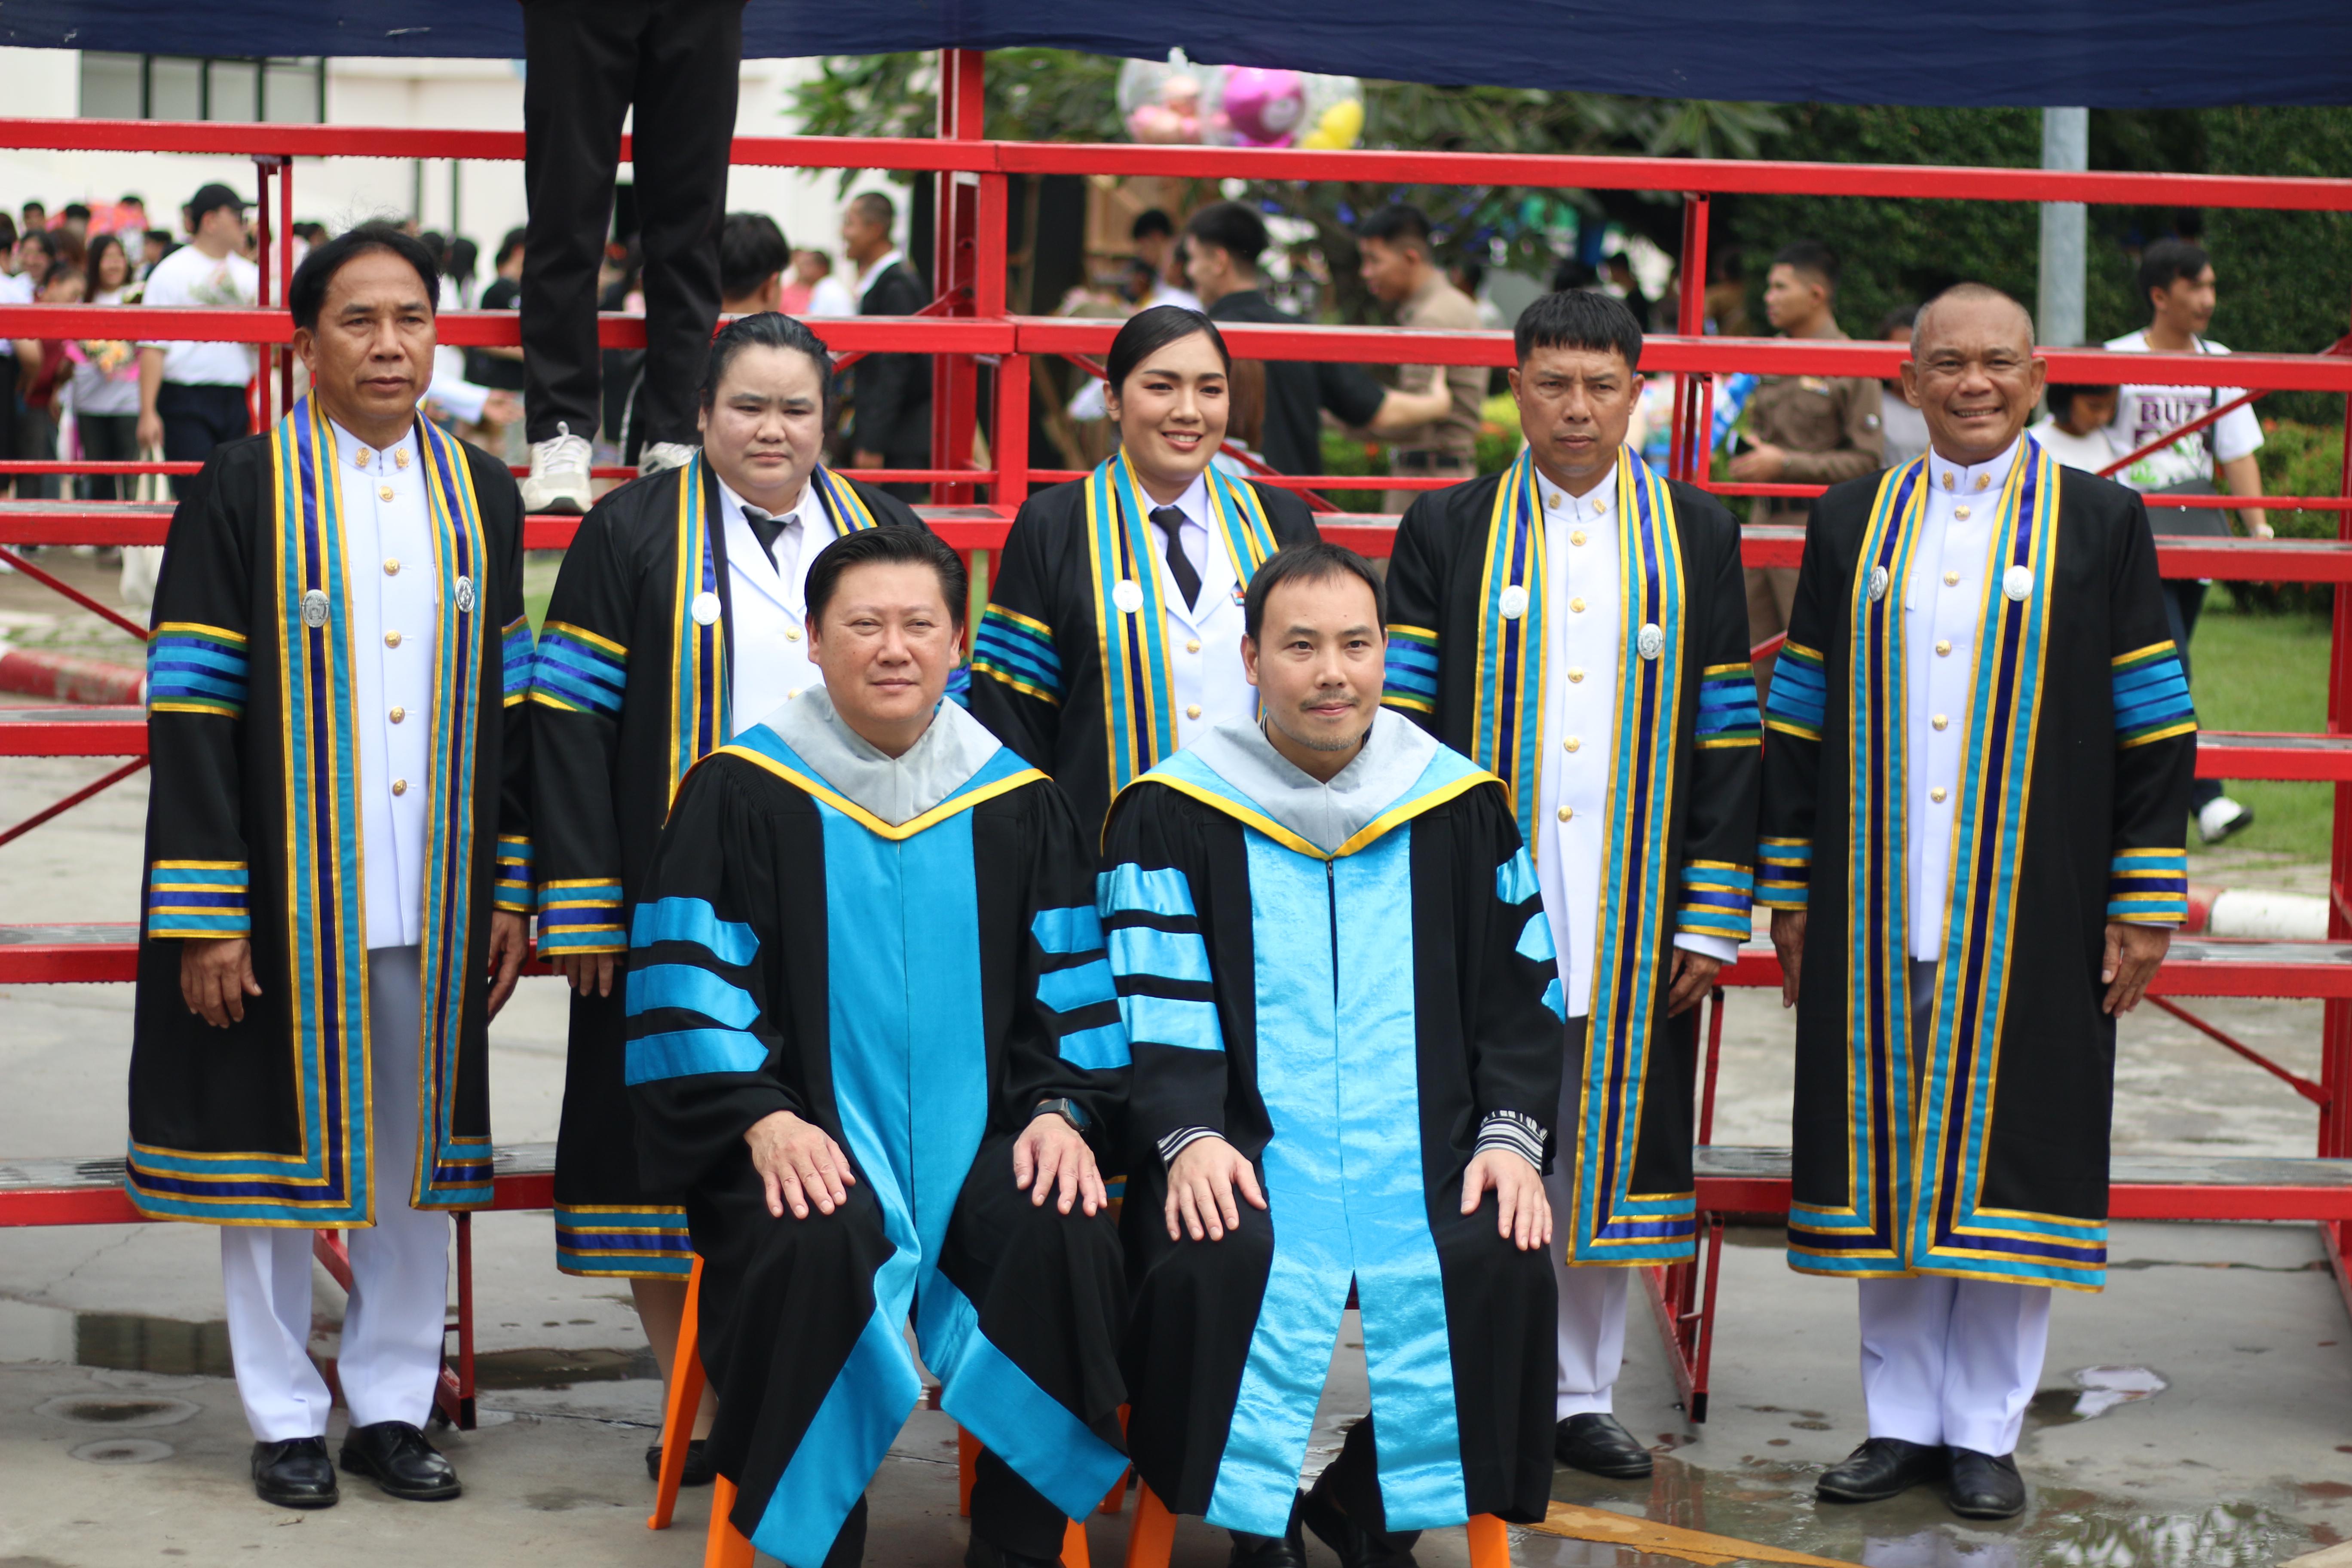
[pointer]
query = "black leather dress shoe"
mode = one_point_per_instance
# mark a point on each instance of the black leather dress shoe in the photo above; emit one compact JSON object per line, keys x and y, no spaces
{"x":699,"y":1472}
{"x":1357,"y":1547}
{"x":396,"y":1457}
{"x":1881,"y":1469}
{"x":980,"y":1553}
{"x":1598,"y":1444}
{"x":1288,"y":1550}
{"x":295,"y":1473}
{"x":1985,"y":1487}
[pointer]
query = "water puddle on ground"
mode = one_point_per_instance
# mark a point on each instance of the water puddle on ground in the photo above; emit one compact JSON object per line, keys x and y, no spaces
{"x":1772,"y":1505}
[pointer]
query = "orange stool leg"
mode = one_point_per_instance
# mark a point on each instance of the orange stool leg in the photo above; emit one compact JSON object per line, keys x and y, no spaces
{"x":726,"y":1546}
{"x":1074,"y":1547}
{"x":684,"y":1400}
{"x":967,"y":1457}
{"x":1153,"y":1535}
{"x":1490,"y":1543}
{"x":1116,"y":1498}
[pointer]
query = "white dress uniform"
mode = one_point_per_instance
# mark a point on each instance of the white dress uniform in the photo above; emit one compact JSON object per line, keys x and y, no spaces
{"x":391,"y":1353}
{"x":1947,"y":1361}
{"x":769,"y":603}
{"x":1584,"y":636}
{"x":1205,"y":640}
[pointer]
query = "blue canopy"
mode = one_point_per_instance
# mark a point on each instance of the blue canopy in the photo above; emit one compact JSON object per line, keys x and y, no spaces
{"x":2108,"y":53}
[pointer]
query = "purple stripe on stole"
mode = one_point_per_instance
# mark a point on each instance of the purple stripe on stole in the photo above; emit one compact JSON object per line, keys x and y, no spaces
{"x":327,"y":945}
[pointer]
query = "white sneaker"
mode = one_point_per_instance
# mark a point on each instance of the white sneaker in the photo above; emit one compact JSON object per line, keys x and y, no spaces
{"x":2220,"y":817}
{"x":660,"y":455}
{"x":557,"y":481}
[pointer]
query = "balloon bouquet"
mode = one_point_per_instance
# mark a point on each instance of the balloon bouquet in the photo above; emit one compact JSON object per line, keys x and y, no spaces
{"x":1175,"y":102}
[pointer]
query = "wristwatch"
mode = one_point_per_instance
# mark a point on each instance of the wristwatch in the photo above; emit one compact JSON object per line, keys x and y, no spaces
{"x":1068,"y":1109}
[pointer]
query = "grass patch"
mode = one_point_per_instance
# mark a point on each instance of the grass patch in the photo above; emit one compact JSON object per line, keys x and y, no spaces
{"x":2266,"y":672}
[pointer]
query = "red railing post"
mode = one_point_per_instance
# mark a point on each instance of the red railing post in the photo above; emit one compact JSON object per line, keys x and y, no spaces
{"x":957,"y":262}
{"x":1686,"y":458}
{"x":2336,"y":1027}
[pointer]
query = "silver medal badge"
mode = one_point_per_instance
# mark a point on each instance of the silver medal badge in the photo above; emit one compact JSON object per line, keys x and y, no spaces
{"x":1650,"y":641}
{"x":464,"y":595}
{"x":1878,"y":583}
{"x":705,"y":608}
{"x":314,"y":608}
{"x":1513,"y":602}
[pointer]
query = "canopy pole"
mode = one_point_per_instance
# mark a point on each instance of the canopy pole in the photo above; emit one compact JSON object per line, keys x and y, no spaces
{"x":2065,"y":144}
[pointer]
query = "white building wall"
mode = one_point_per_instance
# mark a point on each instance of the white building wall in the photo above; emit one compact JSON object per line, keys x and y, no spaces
{"x":474,"y":95}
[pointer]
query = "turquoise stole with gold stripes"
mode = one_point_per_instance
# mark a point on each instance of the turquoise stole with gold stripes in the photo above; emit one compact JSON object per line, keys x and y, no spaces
{"x":1915,"y":1171}
{"x":330,"y":1182}
{"x":698,"y":717}
{"x":1139,"y":693}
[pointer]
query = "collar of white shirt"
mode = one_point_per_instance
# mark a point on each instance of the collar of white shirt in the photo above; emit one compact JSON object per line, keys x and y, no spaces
{"x":732,"y":506}
{"x":1598,"y":501}
{"x":865,"y":279}
{"x":1985,"y":479}
{"x":350,"y":447}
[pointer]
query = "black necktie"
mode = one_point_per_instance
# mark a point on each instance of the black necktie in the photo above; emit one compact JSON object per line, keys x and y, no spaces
{"x":1179,"y":565}
{"x":767,"y":529}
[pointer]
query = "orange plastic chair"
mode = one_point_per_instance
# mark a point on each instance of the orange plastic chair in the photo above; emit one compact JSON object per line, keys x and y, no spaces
{"x":1153,"y":1535}
{"x":678,"y":1415}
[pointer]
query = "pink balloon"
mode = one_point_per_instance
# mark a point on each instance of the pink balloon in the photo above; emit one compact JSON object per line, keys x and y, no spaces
{"x":1265,"y":107}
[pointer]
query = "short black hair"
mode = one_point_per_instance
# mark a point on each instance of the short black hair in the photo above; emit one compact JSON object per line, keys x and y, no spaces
{"x":768,"y":330}
{"x":77,"y":209}
{"x":1399,"y":224}
{"x":1902,"y":316}
{"x":513,"y":240}
{"x":1578,"y":319}
{"x":1234,"y":229}
{"x":892,"y":545}
{"x":307,"y":295}
{"x":132,"y":199}
{"x":2061,"y":396}
{"x":2167,"y":261}
{"x":161,"y":237}
{"x":751,"y":250}
{"x":1810,"y":257}
{"x":1151,"y":221}
{"x":878,"y":207}
{"x":1147,"y":331}
{"x":1317,"y":562}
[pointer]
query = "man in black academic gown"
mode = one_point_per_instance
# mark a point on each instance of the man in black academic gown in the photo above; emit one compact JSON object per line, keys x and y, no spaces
{"x":337,"y":867}
{"x":680,"y":618}
{"x":1577,"y":624}
{"x":1978,"y":779}
{"x":1336,"y":975}
{"x":873,"y":1041}
{"x":890,"y":412}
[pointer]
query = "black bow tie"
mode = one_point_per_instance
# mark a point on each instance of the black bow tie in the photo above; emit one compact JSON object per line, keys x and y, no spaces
{"x":1179,"y":565}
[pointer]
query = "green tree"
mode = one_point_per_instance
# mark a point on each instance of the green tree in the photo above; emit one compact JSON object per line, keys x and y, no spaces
{"x":2285,"y":277}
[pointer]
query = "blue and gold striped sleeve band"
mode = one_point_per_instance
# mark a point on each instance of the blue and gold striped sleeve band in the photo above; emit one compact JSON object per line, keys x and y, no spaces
{"x":1018,"y":650}
{"x":1784,"y":872}
{"x":1159,"y":963}
{"x":193,"y":668}
{"x":581,"y":915}
{"x":2148,"y":886}
{"x":1076,"y":985}
{"x":1800,"y":693}
{"x":2152,"y":696}
{"x":515,"y":661}
{"x":1410,"y":682}
{"x":512,"y":892}
{"x":1718,"y":898}
{"x":576,"y":671}
{"x":1726,"y":707}
{"x":198,"y":898}
{"x":690,"y":1006}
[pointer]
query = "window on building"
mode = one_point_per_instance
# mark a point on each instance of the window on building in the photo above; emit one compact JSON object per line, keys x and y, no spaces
{"x":289,"y":90}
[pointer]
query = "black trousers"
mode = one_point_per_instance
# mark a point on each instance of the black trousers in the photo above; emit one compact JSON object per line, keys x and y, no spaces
{"x":2184,"y":599}
{"x":588,"y":62}
{"x":107,"y":438}
{"x":195,"y":420}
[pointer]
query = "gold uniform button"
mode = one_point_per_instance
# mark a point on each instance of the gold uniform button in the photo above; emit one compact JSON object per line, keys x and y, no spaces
{"x":397,"y":714}
{"x":1194,"y":712}
{"x":392,"y":566}
{"x":1577,"y":604}
{"x":1566,"y":813}
{"x":1192,"y":645}
{"x":400,"y":459}
{"x":384,"y":492}
{"x":1941,"y":721}
{"x":1577,"y":537}
{"x":1961,"y":512}
{"x":1951,"y":579}
{"x":1571,"y":745}
{"x":1942,"y":647}
{"x":1575,"y":674}
{"x":1936,"y":794}
{"x":792,"y":694}
{"x":400,"y":786}
{"x":392,"y":639}
{"x":791,"y":636}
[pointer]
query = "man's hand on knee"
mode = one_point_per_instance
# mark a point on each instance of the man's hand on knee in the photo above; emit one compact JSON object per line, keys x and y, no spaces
{"x":1201,"y":1190}
{"x":1050,"y":1151}
{"x":798,"y":1165}
{"x":1523,"y":1214}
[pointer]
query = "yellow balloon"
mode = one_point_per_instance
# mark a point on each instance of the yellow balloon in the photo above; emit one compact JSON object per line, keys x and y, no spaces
{"x":1343,"y":123}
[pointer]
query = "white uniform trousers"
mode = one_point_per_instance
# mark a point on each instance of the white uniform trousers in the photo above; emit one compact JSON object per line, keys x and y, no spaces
{"x":392,"y":1340}
{"x":1591,"y":1299}
{"x":1950,"y":1361}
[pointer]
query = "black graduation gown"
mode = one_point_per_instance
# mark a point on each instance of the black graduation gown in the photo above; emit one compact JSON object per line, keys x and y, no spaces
{"x":915,"y":992}
{"x":626,"y":701}
{"x":1681,"y":851}
{"x":1038,"y":676}
{"x":2074,"y":794}
{"x":249,"y":728}
{"x":1349,"y":1022}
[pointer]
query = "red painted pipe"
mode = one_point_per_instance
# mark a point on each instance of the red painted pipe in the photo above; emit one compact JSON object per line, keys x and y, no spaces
{"x":68,"y":678}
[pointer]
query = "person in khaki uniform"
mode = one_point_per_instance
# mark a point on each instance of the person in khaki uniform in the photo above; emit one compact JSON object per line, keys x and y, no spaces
{"x":1802,"y":430}
{"x":1398,"y":269}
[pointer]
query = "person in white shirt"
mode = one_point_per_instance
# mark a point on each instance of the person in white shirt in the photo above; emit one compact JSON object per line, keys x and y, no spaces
{"x":191,"y":395}
{"x":2076,"y":430}
{"x":2175,"y":278}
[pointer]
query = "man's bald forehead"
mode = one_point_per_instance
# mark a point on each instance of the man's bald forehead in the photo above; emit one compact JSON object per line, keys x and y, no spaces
{"x":1967,"y":298}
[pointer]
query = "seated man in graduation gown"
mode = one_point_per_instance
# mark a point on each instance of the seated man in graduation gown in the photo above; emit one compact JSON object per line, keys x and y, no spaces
{"x":1977,"y":778}
{"x":337,"y":859}
{"x":1335,"y":967}
{"x":1577,"y":626}
{"x":874,"y":1043}
{"x":680,"y":617}
{"x":1114,"y":626}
